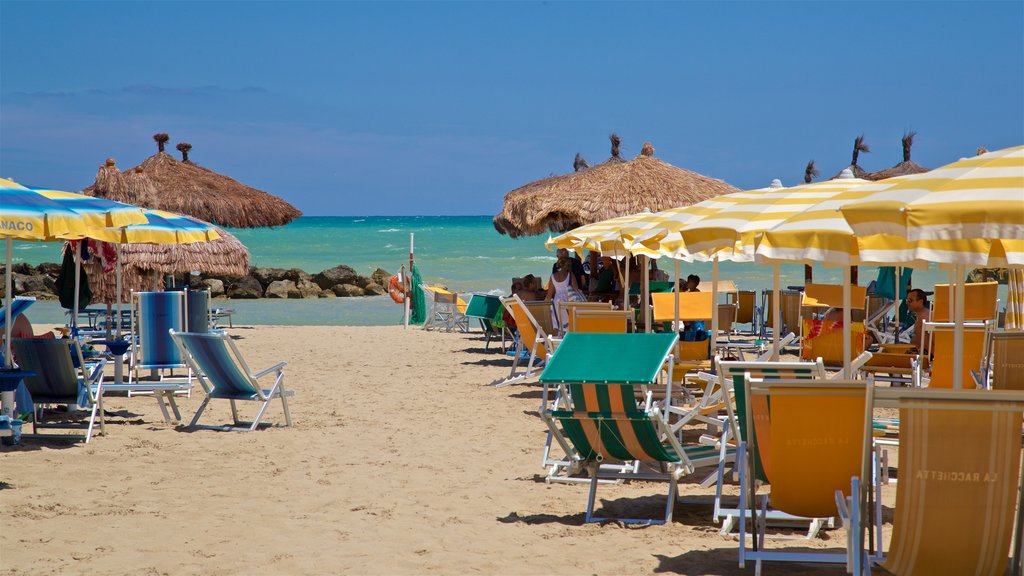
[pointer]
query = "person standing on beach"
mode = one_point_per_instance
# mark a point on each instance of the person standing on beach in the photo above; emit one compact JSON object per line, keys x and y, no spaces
{"x":578,"y":272}
{"x":558,"y":288}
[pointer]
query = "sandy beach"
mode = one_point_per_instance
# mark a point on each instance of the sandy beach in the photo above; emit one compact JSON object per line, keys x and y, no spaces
{"x":401,"y":461}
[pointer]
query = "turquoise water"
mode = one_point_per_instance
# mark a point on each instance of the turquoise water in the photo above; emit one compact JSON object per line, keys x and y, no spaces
{"x":464,"y":253}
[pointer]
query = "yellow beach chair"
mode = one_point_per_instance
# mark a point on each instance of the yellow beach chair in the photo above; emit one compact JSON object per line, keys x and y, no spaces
{"x":980,"y":302}
{"x":532,"y":336}
{"x":600,"y":320}
{"x":693,"y":306}
{"x":1006,"y":350}
{"x":822,"y":338}
{"x":566,"y":311}
{"x":939,"y":336}
{"x":959,"y":486}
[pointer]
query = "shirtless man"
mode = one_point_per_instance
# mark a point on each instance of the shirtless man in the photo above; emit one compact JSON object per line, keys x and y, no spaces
{"x":917,"y":302}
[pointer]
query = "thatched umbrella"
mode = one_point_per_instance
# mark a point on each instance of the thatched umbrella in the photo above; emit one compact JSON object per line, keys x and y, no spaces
{"x":187,"y":188}
{"x":615,"y":187}
{"x":145,"y":264}
{"x":858,"y":146}
{"x":903,"y":168}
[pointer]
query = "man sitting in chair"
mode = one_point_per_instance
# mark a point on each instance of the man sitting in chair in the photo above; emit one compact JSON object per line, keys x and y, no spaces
{"x":917,"y":304}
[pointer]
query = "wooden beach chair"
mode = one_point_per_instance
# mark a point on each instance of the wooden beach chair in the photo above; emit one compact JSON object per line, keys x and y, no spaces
{"x":58,"y":381}
{"x":958,"y":494}
{"x":733,"y":401}
{"x":223,"y":374}
{"x":817,"y":440}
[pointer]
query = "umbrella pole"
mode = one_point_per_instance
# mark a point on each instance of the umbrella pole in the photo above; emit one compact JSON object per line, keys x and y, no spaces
{"x":7,"y":398}
{"x":646,"y":298}
{"x":412,"y":289}
{"x":117,"y":249}
{"x":625,"y":286}
{"x":958,"y":327}
{"x":776,"y":313}
{"x":896,"y":312}
{"x":714,"y":302}
{"x":847,"y":337}
{"x":78,"y":279}
{"x":675,"y":289}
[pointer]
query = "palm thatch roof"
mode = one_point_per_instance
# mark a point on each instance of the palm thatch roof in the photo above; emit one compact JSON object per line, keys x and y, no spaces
{"x":858,"y":146}
{"x":187,"y":188}
{"x":903,"y":168}
{"x":144,"y":265}
{"x":615,"y":187}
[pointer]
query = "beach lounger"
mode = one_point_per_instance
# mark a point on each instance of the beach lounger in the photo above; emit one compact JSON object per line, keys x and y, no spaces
{"x":601,"y":377}
{"x":58,"y":381}
{"x":959,"y":482}
{"x":635,"y":360}
{"x":485,"y":308}
{"x":815,"y":438}
{"x":223,"y":374}
{"x":939,"y":336}
{"x":738,"y":429}
{"x":155,"y":313}
{"x":534,"y":342}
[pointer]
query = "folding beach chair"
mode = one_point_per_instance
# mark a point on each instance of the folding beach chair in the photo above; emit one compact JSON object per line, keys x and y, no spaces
{"x":692,"y":355}
{"x":486,"y":308}
{"x":819,"y":449}
{"x":154,"y":314}
{"x":532,"y":337}
{"x":444,"y":308}
{"x":1005,"y":369}
{"x":894,"y":365}
{"x":567,"y":311}
{"x":635,"y":360}
{"x":197,"y":311}
{"x":939,"y":336}
{"x":223,"y":374}
{"x":790,"y":306}
{"x":746,"y":307}
{"x":58,"y":381}
{"x":733,"y":400}
{"x":959,"y":484}
{"x":599,"y":378}
{"x":980,"y":302}
{"x":600,"y":320}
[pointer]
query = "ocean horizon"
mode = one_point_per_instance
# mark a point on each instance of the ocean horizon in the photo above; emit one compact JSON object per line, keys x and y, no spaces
{"x":464,"y":253}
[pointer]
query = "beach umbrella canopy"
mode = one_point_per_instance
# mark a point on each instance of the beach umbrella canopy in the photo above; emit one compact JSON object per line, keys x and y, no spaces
{"x":1015,"y":300}
{"x":613,"y":188}
{"x":904,"y":168}
{"x":187,"y":188}
{"x":608,"y":237}
{"x":28,"y":213}
{"x":973,"y":198}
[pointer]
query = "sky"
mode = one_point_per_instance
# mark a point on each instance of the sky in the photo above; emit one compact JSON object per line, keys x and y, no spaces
{"x":430,"y":108}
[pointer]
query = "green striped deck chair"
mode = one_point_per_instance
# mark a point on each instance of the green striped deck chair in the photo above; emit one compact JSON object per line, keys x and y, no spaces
{"x":731,"y":376}
{"x":223,"y":374}
{"x":820,"y":452}
{"x":155,"y":314}
{"x":58,"y":381}
{"x":631,"y":362}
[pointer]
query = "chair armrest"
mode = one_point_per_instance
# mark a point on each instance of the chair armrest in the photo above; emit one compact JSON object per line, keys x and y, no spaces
{"x":275,"y":368}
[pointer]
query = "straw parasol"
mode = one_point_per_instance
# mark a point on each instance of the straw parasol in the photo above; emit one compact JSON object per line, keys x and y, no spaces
{"x":190,"y":189}
{"x":858,"y":146}
{"x":903,"y":168}
{"x":616,"y":187}
{"x":145,"y":264}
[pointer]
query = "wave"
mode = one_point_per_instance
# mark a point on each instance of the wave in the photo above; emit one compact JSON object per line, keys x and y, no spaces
{"x":389,"y":230}
{"x":360,"y":220}
{"x":549,"y":258}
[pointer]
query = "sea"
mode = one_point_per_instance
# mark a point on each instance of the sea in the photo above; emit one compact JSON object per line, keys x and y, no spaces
{"x":464,"y":253}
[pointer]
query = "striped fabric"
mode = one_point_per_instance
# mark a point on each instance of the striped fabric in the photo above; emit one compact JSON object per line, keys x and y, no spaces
{"x":603,"y":435}
{"x":56,"y":380}
{"x":979,"y":199}
{"x":29,"y":215}
{"x":211,"y":354}
{"x":605,"y":398}
{"x":1015,"y":299}
{"x":607,"y":237}
{"x":158,"y":313}
{"x":97,"y":212}
{"x":162,"y":227}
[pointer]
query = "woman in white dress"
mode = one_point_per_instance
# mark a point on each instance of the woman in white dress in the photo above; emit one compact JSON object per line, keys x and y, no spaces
{"x":558,"y":289}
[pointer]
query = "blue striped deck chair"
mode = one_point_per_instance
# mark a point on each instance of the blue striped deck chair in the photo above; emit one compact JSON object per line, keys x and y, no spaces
{"x":58,"y":381}
{"x":156,"y":313}
{"x":197,"y":311}
{"x":821,"y":451}
{"x":223,"y":374}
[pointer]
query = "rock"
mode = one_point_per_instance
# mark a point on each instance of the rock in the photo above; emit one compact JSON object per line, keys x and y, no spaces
{"x":381,"y":276}
{"x":51,"y":269}
{"x":375,"y":289}
{"x":214,"y":285}
{"x":281,"y":289}
{"x":18,"y":282}
{"x":331,"y":277}
{"x":245,"y":287}
{"x":297,"y":274}
{"x":327,"y":294}
{"x":36,"y":283}
{"x":22,"y":268}
{"x":308,"y":289}
{"x":346,"y":290}
{"x":267,"y":275}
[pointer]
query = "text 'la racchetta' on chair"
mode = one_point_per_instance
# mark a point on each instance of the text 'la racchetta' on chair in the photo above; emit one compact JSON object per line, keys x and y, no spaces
{"x":223,"y":374}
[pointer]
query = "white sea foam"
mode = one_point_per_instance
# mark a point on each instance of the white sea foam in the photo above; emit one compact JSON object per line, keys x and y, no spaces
{"x":389,"y":230}
{"x":360,"y":220}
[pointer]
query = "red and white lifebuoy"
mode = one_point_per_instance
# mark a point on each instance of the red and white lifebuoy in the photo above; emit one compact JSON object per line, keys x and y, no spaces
{"x":396,"y":290}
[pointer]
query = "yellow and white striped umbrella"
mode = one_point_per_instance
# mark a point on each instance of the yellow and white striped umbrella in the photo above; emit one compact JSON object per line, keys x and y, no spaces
{"x":732,"y":230}
{"x":980,"y":197}
{"x":606,"y":236}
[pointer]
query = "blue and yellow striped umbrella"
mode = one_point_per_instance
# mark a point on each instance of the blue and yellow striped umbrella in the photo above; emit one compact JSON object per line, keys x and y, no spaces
{"x":162,"y":228}
{"x":27,"y":214}
{"x":96,"y":212}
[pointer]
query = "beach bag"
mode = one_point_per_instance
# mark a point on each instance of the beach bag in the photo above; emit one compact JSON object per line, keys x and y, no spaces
{"x":574,"y":295}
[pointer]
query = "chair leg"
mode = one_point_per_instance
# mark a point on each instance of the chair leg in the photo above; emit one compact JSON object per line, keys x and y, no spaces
{"x":199,"y":412}
{"x":592,"y":468}
{"x":287,"y":415}
{"x":159,"y":395}
{"x":259,"y":415}
{"x":234,"y":412}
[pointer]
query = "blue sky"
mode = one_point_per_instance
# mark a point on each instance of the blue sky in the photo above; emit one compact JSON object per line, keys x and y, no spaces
{"x":440,"y":108}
